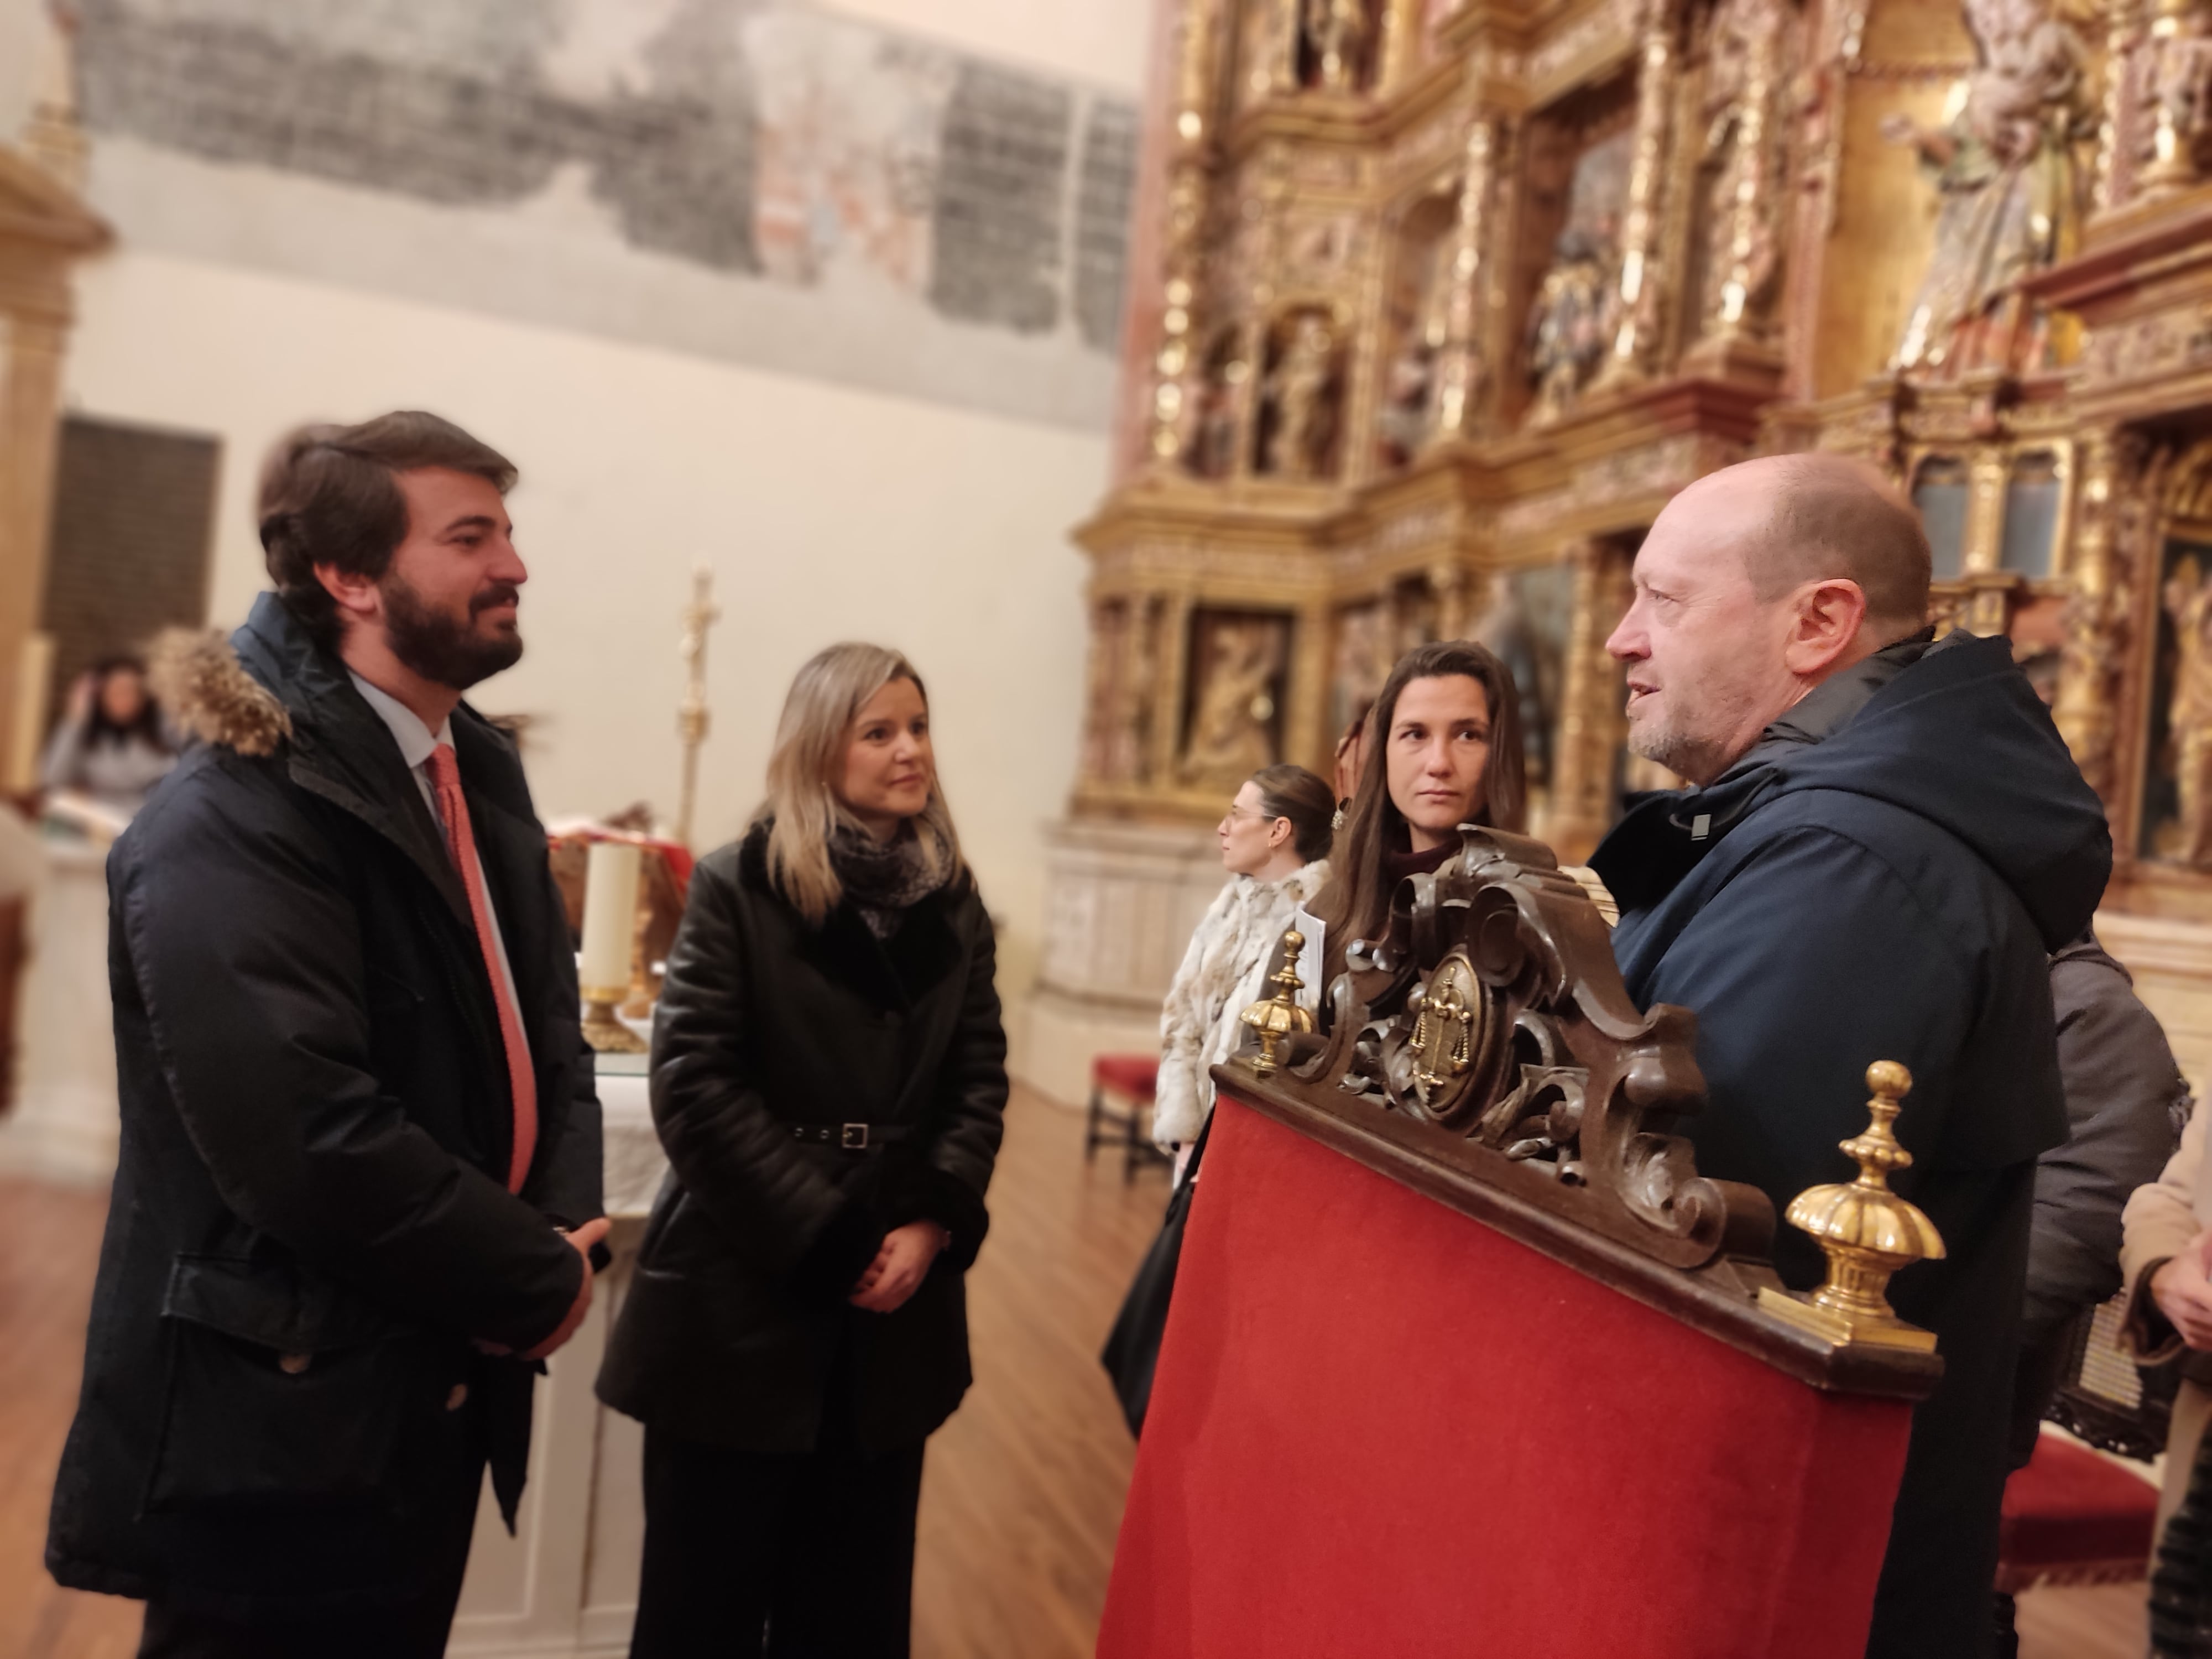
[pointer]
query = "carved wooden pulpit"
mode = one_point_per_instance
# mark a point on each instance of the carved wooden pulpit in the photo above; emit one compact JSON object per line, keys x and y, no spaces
{"x":1466,"y":1357}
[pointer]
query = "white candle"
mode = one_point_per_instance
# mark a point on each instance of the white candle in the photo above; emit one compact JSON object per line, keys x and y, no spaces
{"x":609,"y":919}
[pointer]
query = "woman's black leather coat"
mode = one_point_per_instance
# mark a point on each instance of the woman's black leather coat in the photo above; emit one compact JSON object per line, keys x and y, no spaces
{"x":736,"y":1323}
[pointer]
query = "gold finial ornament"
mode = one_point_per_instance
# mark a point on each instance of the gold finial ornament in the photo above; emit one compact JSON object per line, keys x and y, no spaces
{"x":1281,"y":1014}
{"x":1866,"y":1232}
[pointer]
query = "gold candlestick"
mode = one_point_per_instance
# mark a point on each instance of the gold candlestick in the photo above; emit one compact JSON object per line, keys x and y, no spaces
{"x":605,"y":1032}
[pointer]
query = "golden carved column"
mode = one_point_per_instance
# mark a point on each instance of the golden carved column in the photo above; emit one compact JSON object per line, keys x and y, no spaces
{"x":2176,"y":76}
{"x":1754,"y":215}
{"x":1183,"y":252}
{"x":1592,"y":717}
{"x":1305,"y":738}
{"x":2116,"y":114}
{"x":1987,"y":606}
{"x":1447,"y":580}
{"x":1171,"y":655}
{"x":2088,"y":669}
{"x":1637,"y":295}
{"x":1401,"y":41}
{"x":1460,"y":370}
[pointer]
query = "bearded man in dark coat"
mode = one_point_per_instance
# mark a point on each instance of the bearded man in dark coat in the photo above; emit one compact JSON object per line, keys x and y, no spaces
{"x":1884,"y":841}
{"x":359,"y":1180}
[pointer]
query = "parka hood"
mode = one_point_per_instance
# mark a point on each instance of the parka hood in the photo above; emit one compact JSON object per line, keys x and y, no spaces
{"x":1960,"y":738}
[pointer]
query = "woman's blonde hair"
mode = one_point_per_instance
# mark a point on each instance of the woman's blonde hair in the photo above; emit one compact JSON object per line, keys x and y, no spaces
{"x":802,"y":807}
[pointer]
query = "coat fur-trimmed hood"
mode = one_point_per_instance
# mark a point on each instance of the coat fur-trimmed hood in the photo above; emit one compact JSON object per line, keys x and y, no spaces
{"x":202,"y":687}
{"x":1221,"y":975}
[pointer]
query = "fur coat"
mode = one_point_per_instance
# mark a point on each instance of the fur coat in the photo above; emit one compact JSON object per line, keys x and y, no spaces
{"x":1220,"y":977}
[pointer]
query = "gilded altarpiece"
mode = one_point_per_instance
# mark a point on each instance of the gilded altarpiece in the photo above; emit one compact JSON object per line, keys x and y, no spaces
{"x":1453,"y":297}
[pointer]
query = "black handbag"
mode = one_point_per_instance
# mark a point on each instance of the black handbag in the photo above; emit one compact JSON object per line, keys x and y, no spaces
{"x":1132,"y":1348}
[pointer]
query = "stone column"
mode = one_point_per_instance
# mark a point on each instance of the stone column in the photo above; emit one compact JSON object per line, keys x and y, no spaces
{"x":1591,"y":719}
{"x":1638,"y":297}
{"x":1460,"y":367}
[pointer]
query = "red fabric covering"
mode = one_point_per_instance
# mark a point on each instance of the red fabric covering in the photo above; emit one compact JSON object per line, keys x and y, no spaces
{"x":1380,"y":1428}
{"x":2071,"y":1513}
{"x":1137,"y":1076}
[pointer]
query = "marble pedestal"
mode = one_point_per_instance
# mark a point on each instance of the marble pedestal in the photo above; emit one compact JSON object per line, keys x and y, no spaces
{"x":1121,"y":900}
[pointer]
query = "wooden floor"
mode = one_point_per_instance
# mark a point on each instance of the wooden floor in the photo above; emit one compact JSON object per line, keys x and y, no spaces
{"x":1024,"y":1485}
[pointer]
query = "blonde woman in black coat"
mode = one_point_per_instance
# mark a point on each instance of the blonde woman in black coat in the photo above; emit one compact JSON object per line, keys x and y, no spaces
{"x":829,"y":1071}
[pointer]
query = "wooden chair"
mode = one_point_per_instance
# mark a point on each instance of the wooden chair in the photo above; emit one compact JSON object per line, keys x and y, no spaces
{"x":1123,"y":1090}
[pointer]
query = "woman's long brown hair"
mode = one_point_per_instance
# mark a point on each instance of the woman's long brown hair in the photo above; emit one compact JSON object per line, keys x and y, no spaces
{"x":1356,"y":902}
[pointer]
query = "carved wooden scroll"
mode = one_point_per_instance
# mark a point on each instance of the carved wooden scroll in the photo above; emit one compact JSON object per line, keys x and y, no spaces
{"x":1491,"y":1014}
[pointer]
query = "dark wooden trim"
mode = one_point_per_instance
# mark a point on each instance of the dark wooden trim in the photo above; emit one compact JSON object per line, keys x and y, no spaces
{"x":1719,"y":1299}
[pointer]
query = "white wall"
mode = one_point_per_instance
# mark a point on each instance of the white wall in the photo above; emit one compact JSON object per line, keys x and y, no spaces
{"x":826,"y":513}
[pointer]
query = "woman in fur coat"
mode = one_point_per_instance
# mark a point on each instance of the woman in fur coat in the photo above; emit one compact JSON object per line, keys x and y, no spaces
{"x":1274,"y":843}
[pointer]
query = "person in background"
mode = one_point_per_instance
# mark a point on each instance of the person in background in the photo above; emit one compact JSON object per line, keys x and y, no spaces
{"x":1275,"y":843}
{"x":2166,"y":1260}
{"x":1884,"y":841}
{"x":111,"y":743}
{"x":1447,"y":728}
{"x":828,"y":1076}
{"x":359,"y":1181}
{"x":2126,"y":1103}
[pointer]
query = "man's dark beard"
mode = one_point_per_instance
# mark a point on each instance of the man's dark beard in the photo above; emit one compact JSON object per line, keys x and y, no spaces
{"x":441,"y":650}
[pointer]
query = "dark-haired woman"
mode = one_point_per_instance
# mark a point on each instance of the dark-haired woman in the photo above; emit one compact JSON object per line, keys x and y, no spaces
{"x":1443,"y":748}
{"x":829,"y":1072}
{"x":111,"y":744}
{"x":1275,"y":843}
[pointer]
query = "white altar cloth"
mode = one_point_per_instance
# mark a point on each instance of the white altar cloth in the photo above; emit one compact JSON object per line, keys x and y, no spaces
{"x":565,"y":1586}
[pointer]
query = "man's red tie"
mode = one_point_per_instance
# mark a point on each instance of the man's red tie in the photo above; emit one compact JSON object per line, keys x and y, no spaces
{"x":461,"y":841}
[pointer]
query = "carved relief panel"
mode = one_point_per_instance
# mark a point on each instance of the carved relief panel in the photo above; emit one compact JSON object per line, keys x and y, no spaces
{"x":1234,"y":722}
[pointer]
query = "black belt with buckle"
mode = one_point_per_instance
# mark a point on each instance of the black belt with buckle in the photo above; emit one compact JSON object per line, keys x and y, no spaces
{"x":851,"y":1137}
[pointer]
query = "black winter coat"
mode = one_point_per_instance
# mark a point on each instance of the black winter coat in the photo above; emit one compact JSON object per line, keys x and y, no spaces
{"x":736,"y":1330}
{"x":2126,"y":1105}
{"x":1888,"y":888}
{"x":315,"y":1137}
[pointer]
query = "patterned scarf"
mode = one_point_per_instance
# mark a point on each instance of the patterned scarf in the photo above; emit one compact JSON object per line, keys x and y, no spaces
{"x":884,"y":879}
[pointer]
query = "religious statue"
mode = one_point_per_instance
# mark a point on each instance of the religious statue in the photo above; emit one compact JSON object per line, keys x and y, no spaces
{"x":1335,"y":38}
{"x":2188,"y":599}
{"x":1567,"y":325}
{"x":1301,"y":394}
{"x":1402,"y":424}
{"x":1231,"y":719}
{"x":2005,"y":169}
